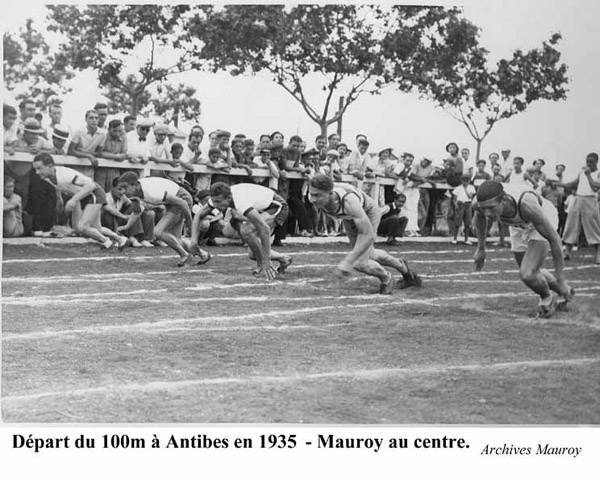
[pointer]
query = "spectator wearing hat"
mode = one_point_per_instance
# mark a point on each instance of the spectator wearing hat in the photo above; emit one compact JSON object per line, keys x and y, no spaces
{"x":60,"y":136}
{"x":139,"y":141}
{"x":463,"y":213}
{"x":10,"y":125}
{"x":31,"y":140}
{"x":160,"y":148}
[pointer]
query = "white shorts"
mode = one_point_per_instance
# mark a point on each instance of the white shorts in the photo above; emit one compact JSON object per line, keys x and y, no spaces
{"x":521,"y":236}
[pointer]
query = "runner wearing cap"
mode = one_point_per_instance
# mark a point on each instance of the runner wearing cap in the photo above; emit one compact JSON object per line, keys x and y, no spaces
{"x":262,"y":210}
{"x":361,"y":217}
{"x":178,"y":204}
{"x":532,"y":221}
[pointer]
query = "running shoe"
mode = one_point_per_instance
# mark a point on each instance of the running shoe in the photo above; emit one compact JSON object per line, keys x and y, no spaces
{"x":204,"y":258}
{"x":146,"y":243}
{"x":184,"y":260}
{"x":547,"y":310}
{"x":387,"y":287}
{"x":561,"y":305}
{"x":284,"y":265}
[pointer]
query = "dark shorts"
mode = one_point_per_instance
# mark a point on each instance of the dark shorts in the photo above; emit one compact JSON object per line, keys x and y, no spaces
{"x":97,"y":197}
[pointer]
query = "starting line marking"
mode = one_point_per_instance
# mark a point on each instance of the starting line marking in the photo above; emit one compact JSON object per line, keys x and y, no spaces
{"x":217,"y":255}
{"x":167,"y":325}
{"x":121,"y":276}
{"x":373,"y":374}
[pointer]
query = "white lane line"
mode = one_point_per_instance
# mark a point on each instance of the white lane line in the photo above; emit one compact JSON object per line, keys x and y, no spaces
{"x":111,"y":277}
{"x":508,"y":271}
{"x":166,"y":325}
{"x":242,"y":253}
{"x":359,"y":374}
{"x":51,"y":300}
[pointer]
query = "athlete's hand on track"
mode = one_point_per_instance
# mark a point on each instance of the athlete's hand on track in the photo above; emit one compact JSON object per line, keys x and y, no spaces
{"x":479,"y":259}
{"x":270,"y":272}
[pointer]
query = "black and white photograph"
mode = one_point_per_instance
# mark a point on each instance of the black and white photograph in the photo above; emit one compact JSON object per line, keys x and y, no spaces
{"x":302,"y":215}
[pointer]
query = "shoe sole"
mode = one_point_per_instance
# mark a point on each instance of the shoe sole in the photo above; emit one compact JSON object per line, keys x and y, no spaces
{"x":283,"y":267}
{"x":201,"y":262}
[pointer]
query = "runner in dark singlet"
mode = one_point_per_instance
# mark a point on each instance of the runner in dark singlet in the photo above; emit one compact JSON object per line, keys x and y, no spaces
{"x":532,"y":222}
{"x":360,"y":215}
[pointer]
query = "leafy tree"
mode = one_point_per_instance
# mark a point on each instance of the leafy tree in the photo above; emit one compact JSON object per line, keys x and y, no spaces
{"x":479,"y":96}
{"x":109,"y":38}
{"x":356,"y":49}
{"x":175,"y":103}
{"x":31,"y":69}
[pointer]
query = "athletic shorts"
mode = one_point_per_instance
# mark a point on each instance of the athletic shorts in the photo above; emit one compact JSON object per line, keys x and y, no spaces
{"x":97,"y":197}
{"x":521,"y":236}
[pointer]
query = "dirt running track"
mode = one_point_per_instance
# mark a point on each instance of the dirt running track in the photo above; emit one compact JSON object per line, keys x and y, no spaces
{"x":97,"y":337}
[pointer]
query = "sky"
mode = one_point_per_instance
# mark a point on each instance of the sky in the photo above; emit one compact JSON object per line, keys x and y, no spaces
{"x":558,"y":132}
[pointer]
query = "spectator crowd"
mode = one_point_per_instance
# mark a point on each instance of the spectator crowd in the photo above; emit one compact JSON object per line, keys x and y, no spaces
{"x":418,"y":197}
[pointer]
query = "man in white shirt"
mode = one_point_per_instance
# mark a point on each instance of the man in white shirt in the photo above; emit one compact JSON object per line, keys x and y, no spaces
{"x":178,"y":204}
{"x":584,"y":212}
{"x":138,"y":142}
{"x":89,"y":142}
{"x":262,"y":210}
{"x":87,"y":199}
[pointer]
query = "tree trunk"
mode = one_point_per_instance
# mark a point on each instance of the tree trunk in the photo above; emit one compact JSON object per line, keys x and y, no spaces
{"x":339,"y":123}
{"x":134,"y":104}
{"x":176,"y":116}
{"x":478,"y":150}
{"x":323,"y":124}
